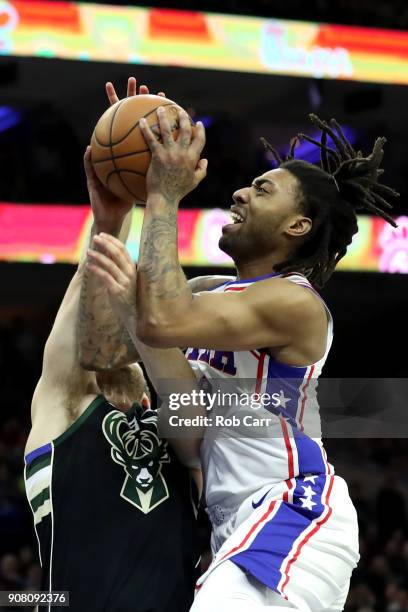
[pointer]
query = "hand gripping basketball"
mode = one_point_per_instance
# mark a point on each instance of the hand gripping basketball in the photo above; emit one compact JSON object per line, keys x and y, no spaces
{"x":109,"y":209}
{"x":120,"y":155}
{"x":176,"y":167}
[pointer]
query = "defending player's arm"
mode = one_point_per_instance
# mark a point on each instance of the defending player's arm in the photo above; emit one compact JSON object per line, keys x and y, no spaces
{"x":103,"y":342}
{"x":62,"y":381}
{"x":102,"y":339}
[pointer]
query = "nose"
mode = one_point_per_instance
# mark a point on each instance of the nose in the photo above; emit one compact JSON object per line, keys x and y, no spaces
{"x":241,"y":196}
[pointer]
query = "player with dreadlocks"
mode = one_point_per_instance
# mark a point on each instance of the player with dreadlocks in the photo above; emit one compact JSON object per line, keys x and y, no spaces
{"x":285,"y":531}
{"x":333,"y":224}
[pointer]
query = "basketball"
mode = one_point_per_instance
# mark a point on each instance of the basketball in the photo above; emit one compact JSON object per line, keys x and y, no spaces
{"x":120,"y":155}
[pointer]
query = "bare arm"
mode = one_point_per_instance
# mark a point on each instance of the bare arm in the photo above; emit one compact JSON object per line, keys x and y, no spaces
{"x":63,"y":383}
{"x":175,"y":169}
{"x":103,"y":340}
{"x":272,"y":313}
{"x":62,"y":380}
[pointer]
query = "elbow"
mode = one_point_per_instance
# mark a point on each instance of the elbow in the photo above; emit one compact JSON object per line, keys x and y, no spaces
{"x":89,"y":367}
{"x":93,"y":366}
{"x":88,"y":363}
{"x":83,"y":359}
{"x":154,"y":333}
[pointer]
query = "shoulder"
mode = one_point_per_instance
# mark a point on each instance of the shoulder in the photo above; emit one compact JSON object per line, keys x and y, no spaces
{"x":287,"y":296}
{"x":295,"y":310}
{"x":52,"y":414}
{"x":208,"y":283}
{"x":61,"y":394}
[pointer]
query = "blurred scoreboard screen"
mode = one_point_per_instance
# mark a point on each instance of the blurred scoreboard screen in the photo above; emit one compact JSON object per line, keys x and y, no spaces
{"x":58,"y":234}
{"x":202,"y":40}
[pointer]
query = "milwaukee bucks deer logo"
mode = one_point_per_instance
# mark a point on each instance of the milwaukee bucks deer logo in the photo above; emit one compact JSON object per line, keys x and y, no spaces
{"x":138,"y":449}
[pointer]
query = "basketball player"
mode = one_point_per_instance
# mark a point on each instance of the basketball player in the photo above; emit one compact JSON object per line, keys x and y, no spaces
{"x":103,"y":487}
{"x":284,"y":528}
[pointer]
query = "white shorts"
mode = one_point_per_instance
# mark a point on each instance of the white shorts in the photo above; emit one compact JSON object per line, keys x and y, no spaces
{"x":229,"y":589}
{"x":302,"y":547}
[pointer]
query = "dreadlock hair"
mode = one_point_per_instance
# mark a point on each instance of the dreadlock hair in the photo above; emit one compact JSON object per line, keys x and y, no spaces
{"x":330,"y":194}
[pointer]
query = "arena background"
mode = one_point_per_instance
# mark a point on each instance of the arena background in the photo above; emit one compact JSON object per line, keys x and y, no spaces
{"x":48,"y":107}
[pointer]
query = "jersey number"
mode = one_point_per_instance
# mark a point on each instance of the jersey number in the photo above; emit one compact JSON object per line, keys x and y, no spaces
{"x":220,"y":360}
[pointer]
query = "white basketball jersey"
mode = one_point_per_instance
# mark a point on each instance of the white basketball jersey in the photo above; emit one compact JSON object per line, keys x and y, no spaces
{"x":236,"y":465}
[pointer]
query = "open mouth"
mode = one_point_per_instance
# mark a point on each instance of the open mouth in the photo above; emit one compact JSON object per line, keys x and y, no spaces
{"x":237,"y":217}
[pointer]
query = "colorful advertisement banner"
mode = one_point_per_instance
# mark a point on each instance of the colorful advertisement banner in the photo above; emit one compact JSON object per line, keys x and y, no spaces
{"x":59,"y":234}
{"x":202,"y":40}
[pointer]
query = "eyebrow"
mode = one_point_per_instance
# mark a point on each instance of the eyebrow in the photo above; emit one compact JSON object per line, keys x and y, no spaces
{"x":260,"y":181}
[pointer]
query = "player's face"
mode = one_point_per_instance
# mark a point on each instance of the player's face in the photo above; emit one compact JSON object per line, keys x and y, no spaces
{"x":261,"y":215}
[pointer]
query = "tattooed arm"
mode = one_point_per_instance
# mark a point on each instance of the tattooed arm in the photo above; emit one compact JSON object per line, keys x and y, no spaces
{"x":175,"y":169}
{"x":274,"y":313}
{"x":103,"y":341}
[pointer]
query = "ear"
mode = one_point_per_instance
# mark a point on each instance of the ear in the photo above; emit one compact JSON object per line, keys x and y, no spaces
{"x":145,"y":402}
{"x":298,"y":226}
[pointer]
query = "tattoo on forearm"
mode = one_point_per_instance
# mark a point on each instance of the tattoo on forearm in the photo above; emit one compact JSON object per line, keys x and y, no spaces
{"x":126,"y":351}
{"x":159,"y":257}
{"x":102,"y":337}
{"x":171,"y":178}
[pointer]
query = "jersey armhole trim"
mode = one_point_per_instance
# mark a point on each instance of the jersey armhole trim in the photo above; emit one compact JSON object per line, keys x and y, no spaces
{"x":80,"y":420}
{"x":45,"y":449}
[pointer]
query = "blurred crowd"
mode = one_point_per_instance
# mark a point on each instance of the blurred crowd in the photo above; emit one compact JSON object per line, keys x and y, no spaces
{"x":20,"y":352}
{"x":383,"y":14}
{"x":376,"y":470}
{"x":377,"y":476}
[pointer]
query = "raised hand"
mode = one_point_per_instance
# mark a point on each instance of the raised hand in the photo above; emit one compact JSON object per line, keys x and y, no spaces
{"x":109,"y":211}
{"x":131,"y":90}
{"x":176,"y":167}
